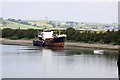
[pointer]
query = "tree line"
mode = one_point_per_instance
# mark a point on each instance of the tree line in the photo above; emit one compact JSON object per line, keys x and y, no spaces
{"x":87,"y":36}
{"x":18,"y":33}
{"x":19,"y":21}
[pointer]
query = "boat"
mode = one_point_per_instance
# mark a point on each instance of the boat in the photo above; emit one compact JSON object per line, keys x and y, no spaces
{"x":38,"y":43}
{"x":46,"y":38}
{"x":98,"y":51}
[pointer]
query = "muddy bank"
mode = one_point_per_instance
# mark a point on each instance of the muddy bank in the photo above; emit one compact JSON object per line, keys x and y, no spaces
{"x":98,"y":46}
{"x":67,"y":44}
{"x":16,"y":42}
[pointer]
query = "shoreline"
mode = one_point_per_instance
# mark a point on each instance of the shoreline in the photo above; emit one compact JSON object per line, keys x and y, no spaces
{"x":67,"y":44}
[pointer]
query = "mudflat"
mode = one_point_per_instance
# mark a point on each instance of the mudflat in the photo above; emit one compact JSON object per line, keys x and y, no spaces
{"x":67,"y":44}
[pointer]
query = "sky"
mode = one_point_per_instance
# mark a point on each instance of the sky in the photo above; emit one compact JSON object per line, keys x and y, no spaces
{"x":100,"y":12}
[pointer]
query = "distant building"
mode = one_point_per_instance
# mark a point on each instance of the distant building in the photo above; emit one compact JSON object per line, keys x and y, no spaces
{"x":71,"y":23}
{"x":1,"y":18}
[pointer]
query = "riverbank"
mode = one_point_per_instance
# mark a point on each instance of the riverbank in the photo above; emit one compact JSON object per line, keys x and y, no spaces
{"x":67,"y":44}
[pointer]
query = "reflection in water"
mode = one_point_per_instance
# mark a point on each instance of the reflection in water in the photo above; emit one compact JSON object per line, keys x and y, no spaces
{"x":57,"y":62}
{"x":54,"y":48}
{"x":0,"y":61}
{"x":118,"y":63}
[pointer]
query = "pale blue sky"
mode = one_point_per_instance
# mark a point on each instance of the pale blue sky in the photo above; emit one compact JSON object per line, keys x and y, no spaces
{"x":101,"y":12}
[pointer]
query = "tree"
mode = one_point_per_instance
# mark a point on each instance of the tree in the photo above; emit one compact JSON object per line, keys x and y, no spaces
{"x":19,"y":20}
{"x":70,"y":33}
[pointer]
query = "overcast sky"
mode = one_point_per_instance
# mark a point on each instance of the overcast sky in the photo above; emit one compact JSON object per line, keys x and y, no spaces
{"x":101,"y":12}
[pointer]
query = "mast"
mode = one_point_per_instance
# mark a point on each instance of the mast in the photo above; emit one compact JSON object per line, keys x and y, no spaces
{"x":46,"y":19}
{"x":59,"y":28}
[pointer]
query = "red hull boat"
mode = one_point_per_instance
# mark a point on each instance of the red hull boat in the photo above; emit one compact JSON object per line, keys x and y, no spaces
{"x":46,"y":38}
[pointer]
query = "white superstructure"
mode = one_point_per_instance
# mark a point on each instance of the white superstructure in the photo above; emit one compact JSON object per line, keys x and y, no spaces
{"x":46,"y":35}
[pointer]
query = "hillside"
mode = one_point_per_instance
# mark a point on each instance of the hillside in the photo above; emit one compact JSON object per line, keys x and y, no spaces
{"x":52,"y":24}
{"x":14,"y":25}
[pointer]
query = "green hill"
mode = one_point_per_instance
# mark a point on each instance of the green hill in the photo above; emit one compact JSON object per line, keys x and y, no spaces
{"x":51,"y":24}
{"x":15,"y":25}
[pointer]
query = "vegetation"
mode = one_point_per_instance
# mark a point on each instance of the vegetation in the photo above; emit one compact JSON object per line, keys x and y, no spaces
{"x":53,"y":24}
{"x":108,"y":37}
{"x":16,"y":25}
{"x":19,"y":34}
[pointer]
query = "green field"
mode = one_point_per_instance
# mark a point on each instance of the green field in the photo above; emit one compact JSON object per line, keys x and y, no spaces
{"x":41,"y":24}
{"x":14,"y":25}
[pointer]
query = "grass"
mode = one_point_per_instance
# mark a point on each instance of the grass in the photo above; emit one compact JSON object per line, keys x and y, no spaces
{"x":14,"y":25}
{"x":42,"y":24}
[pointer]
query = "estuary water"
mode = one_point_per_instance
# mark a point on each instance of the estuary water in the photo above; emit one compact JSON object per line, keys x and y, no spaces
{"x":53,"y":62}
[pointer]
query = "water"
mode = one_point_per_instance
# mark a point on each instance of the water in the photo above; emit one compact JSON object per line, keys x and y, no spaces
{"x":36,"y":62}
